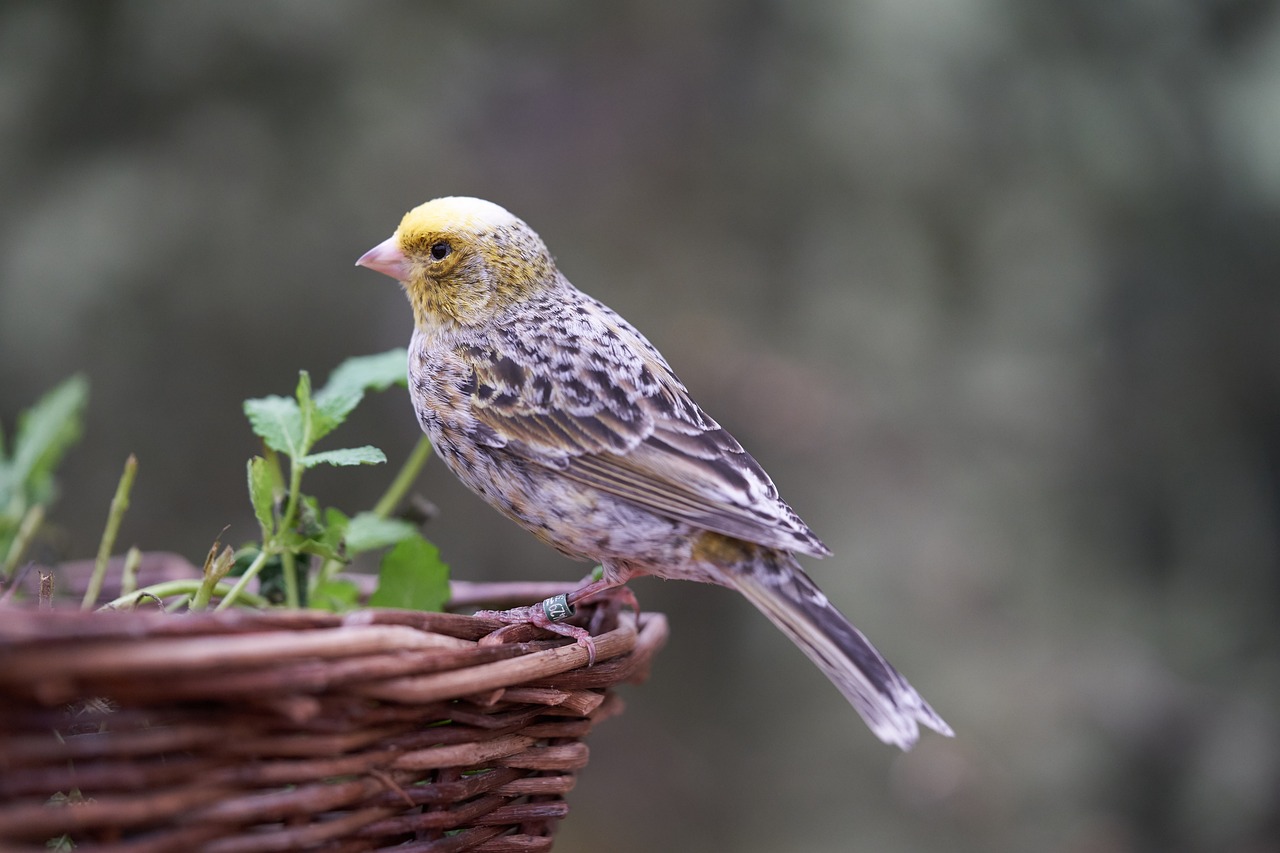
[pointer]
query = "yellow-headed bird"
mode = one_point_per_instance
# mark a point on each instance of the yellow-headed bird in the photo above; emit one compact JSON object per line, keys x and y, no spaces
{"x":560,"y":414}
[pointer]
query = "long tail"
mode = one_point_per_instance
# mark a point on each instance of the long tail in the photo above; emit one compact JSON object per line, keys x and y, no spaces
{"x":775,"y":583}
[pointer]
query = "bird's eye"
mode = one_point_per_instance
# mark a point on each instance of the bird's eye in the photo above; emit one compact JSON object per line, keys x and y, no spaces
{"x":440,"y":250}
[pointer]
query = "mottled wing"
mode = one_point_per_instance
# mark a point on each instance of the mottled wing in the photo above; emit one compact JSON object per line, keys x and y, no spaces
{"x":589,"y":396}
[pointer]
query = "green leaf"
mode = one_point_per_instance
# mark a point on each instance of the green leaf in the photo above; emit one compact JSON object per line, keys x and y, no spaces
{"x":285,"y":425}
{"x":367,"y":455}
{"x":412,"y":576}
{"x":327,"y":545}
{"x":336,"y":596}
{"x":262,"y":494}
{"x":327,"y":409}
{"x":368,"y":373}
{"x":349,"y":382}
{"x":330,"y":411}
{"x":335,"y":518}
{"x":336,"y":523}
{"x":307,"y":407}
{"x":368,"y":531}
{"x":315,"y":532}
{"x":45,"y":432}
{"x":302,"y":392}
{"x":294,"y":426}
{"x":278,"y":421}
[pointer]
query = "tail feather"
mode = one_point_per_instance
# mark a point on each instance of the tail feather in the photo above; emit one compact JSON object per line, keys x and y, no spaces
{"x":779,"y":588}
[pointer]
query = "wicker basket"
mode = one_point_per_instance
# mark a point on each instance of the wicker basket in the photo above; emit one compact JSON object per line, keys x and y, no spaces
{"x":299,"y":730}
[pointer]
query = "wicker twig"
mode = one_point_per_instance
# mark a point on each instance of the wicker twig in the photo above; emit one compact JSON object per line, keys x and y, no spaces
{"x":247,"y":732}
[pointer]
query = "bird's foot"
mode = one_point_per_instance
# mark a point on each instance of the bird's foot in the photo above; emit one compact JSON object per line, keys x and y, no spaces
{"x":547,"y":615}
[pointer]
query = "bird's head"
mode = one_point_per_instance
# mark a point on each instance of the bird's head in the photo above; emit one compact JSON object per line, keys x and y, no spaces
{"x":462,"y":260}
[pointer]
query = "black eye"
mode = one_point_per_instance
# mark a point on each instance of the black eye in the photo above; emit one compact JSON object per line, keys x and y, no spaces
{"x":440,"y":250}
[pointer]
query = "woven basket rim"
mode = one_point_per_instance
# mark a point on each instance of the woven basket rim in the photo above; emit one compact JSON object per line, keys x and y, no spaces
{"x":288,"y":729}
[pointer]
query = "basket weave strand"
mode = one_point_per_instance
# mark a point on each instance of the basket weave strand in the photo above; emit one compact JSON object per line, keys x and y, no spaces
{"x":247,"y":732}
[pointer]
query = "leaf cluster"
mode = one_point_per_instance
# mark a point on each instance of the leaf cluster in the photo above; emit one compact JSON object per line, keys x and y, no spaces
{"x":297,"y":532}
{"x":44,"y":434}
{"x":302,"y":546}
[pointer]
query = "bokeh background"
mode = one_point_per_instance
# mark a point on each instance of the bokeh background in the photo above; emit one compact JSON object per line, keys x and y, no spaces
{"x":991,"y":287}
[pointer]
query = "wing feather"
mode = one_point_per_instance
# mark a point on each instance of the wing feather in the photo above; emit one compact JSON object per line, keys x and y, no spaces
{"x":616,"y":418}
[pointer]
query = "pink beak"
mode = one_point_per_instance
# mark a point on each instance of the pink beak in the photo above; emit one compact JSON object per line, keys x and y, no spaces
{"x":387,"y":259}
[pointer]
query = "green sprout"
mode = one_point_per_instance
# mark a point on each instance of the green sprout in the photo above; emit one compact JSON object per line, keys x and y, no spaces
{"x":45,"y":433}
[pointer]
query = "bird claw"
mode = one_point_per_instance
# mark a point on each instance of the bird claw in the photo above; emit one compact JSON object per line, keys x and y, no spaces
{"x":536,"y":615}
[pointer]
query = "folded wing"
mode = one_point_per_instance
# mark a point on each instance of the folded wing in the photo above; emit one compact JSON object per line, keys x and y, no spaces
{"x":616,"y":418}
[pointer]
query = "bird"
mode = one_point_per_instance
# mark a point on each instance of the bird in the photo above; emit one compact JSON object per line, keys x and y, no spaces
{"x":564,"y":417}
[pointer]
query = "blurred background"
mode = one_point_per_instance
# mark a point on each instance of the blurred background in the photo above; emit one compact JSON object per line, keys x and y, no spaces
{"x":990,"y":287}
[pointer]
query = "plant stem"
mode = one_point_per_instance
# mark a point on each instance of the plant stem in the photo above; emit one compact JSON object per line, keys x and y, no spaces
{"x":404,"y":479}
{"x":129,"y":574}
{"x":186,"y":586}
{"x":287,"y":522}
{"x":326,"y":571}
{"x":290,"y":563}
{"x":216,"y":567}
{"x":249,"y":574}
{"x":289,"y":519}
{"x":119,"y":504}
{"x":178,"y":603}
{"x":27,"y":528}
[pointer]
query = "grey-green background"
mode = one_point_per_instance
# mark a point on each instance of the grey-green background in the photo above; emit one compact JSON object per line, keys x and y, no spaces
{"x":989,"y":286}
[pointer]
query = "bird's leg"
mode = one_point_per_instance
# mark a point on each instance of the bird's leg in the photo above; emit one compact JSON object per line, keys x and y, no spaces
{"x":601,"y":586}
{"x":550,"y":613}
{"x":537,"y":614}
{"x":594,"y":587}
